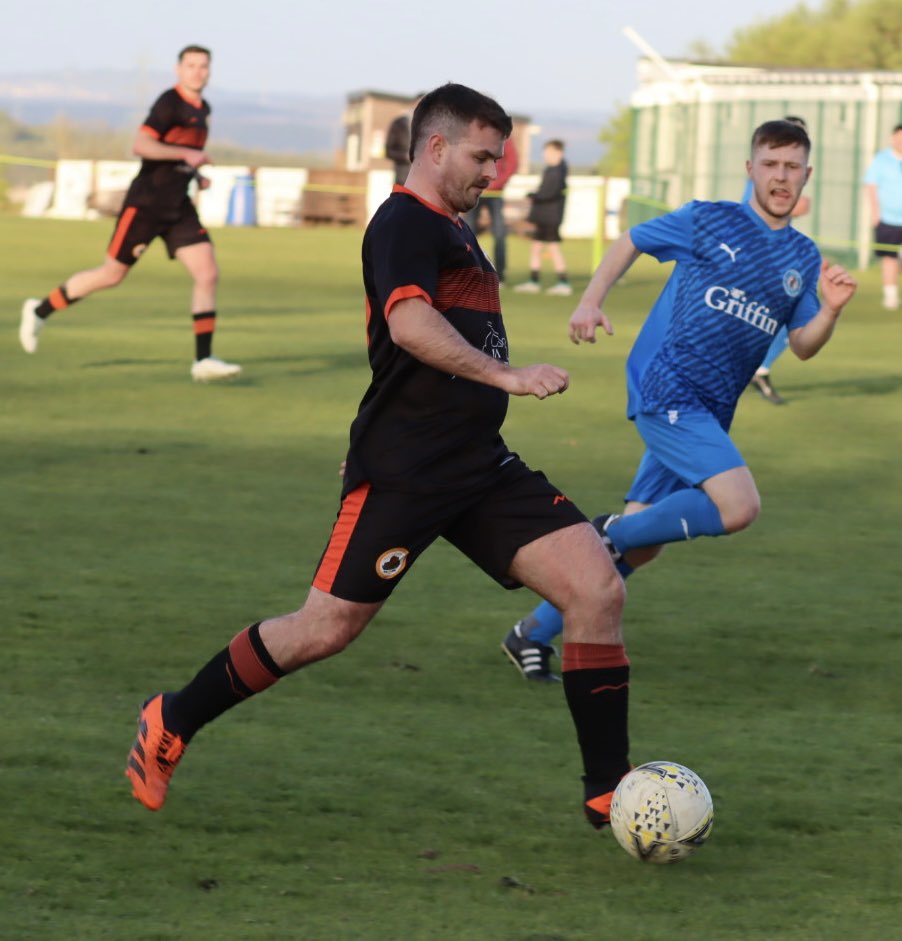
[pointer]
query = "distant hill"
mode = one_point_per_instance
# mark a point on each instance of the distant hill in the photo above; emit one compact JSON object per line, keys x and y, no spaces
{"x":119,"y":101}
{"x":280,"y":123}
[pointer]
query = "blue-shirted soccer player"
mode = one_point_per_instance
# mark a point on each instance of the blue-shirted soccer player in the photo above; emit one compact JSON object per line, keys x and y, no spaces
{"x":742,"y":271}
{"x":780,"y":343}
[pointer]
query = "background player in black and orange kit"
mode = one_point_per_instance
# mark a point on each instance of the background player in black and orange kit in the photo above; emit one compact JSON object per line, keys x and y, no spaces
{"x":171,"y":146}
{"x":427,"y":459}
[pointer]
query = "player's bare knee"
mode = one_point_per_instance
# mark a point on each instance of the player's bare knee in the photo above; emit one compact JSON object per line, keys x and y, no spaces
{"x":207,"y":278}
{"x":111,"y":276}
{"x":606,"y":593}
{"x":741,"y":515}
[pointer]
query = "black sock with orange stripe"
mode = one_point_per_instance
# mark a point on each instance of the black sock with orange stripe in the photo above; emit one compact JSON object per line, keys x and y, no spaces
{"x":233,"y":675}
{"x":55,"y":300}
{"x":596,"y":681}
{"x":204,"y":325}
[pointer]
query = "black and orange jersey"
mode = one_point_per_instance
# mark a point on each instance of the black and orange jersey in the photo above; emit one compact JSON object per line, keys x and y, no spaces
{"x":175,"y":118}
{"x":418,"y":428}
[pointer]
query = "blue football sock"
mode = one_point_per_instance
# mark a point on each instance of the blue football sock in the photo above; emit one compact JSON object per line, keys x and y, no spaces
{"x":683,"y":515}
{"x":544,"y":624}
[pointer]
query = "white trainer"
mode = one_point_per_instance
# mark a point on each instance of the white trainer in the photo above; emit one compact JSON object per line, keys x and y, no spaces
{"x":30,"y":325}
{"x":211,"y":369}
{"x":561,"y":289}
{"x":527,"y":287}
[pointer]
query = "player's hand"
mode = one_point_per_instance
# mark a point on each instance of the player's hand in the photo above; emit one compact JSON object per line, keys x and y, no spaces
{"x":836,"y":286}
{"x":195,"y":158}
{"x":540,"y":380}
{"x":202,"y":182}
{"x":585,"y":320}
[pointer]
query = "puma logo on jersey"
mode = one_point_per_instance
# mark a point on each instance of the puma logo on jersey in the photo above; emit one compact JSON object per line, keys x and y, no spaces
{"x":731,"y":252}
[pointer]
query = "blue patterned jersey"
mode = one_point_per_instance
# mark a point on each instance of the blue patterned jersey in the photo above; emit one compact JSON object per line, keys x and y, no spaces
{"x":736,"y":282}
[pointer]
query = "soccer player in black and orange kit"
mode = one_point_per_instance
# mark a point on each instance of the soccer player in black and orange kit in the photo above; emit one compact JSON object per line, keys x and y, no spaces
{"x":171,"y":146}
{"x":427,"y":459}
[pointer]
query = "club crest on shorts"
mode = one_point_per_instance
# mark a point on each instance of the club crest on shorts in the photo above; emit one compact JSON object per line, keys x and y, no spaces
{"x":392,"y":563}
{"x":792,"y":282}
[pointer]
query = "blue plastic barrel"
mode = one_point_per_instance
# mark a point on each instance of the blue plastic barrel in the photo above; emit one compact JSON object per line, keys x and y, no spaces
{"x":242,"y":202}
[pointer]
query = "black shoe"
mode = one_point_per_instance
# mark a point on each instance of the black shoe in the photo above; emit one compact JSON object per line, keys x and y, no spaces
{"x":528,"y":656}
{"x":601,"y":524}
{"x":766,"y":390}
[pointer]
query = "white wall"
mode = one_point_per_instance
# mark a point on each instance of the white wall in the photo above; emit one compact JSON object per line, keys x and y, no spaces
{"x":279,"y":190}
{"x":583,"y":209}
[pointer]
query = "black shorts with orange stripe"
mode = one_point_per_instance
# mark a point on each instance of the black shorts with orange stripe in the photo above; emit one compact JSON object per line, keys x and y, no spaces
{"x":379,"y":534}
{"x":138,"y":226}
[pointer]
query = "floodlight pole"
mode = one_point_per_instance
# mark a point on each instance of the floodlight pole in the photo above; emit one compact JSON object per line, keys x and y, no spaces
{"x":647,"y":49}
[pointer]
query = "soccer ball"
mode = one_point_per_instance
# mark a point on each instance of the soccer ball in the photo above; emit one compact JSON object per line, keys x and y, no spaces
{"x":661,"y":812}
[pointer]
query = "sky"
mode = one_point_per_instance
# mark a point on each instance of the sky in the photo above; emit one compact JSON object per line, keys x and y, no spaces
{"x":529,"y":54}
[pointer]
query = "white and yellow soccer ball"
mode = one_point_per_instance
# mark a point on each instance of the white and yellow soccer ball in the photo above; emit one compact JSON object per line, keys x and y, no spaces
{"x":661,"y":812}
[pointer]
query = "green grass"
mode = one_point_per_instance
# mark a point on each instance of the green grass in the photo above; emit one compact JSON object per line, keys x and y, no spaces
{"x":415,"y":787}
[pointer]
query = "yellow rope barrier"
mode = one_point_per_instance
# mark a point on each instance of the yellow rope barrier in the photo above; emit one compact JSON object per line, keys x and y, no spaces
{"x":26,"y":161}
{"x":332,"y":188}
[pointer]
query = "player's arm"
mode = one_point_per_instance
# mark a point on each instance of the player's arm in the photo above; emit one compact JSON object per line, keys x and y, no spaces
{"x":837,"y":287}
{"x":148,"y":147}
{"x":589,"y":315}
{"x":873,"y":202}
{"x":420,"y":330}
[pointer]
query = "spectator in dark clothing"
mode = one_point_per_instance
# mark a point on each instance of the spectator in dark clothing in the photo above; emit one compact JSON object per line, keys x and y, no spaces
{"x":547,"y":214}
{"x":397,"y":146}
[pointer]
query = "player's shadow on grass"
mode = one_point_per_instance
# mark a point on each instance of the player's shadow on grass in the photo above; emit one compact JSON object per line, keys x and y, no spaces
{"x":312,"y":364}
{"x":112,"y":363}
{"x":257,"y":369}
{"x":885,"y":384}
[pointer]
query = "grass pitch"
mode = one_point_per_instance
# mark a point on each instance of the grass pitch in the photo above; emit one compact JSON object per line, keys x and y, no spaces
{"x":415,"y":787}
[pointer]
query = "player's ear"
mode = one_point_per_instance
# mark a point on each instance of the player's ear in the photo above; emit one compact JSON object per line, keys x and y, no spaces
{"x":436,"y":146}
{"x":808,"y":173}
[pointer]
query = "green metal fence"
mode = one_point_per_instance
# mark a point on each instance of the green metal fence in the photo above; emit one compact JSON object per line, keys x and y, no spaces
{"x":698,"y":149}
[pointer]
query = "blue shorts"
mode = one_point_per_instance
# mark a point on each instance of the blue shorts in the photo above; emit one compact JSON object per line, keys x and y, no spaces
{"x":680,"y":454}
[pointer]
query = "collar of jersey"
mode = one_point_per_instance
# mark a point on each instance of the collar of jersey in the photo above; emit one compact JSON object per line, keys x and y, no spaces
{"x":774,"y":233}
{"x":398,"y":188}
{"x":187,"y":96}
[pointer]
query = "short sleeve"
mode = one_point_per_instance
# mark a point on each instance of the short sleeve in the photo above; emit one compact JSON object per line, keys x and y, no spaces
{"x":669,"y":237}
{"x":404,"y":262}
{"x":808,"y":303}
{"x":160,"y":118}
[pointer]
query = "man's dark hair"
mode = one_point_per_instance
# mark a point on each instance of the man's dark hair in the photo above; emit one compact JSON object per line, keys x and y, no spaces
{"x":202,"y":49}
{"x":556,"y":143}
{"x":780,"y":134}
{"x":795,"y":119}
{"x":450,"y":109}
{"x":897,"y":128}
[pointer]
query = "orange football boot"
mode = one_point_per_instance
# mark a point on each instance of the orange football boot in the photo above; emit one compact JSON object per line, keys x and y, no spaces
{"x":153,"y":756}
